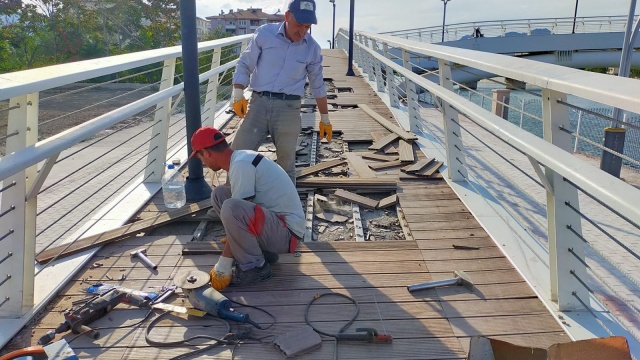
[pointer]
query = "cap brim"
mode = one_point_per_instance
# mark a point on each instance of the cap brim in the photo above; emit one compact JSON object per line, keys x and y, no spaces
{"x":306,"y":17}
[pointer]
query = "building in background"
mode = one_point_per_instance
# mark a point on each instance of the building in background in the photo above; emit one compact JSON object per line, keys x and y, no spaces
{"x":203,"y":27}
{"x":242,"y":22}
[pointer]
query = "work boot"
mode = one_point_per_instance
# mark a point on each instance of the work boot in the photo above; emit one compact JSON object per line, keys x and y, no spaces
{"x":270,"y":257}
{"x":251,"y":276}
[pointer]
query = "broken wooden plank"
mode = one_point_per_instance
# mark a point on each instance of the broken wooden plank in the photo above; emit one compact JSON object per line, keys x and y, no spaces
{"x":417,"y":166}
{"x":388,"y":201}
{"x":353,"y":183}
{"x":388,"y":124}
{"x":406,"y":151}
{"x":120,"y":233}
{"x":355,"y":198}
{"x":389,"y":149}
{"x":384,"y":141}
{"x":359,"y":166}
{"x":331,"y":217}
{"x":386,"y":165}
{"x":368,"y":155}
{"x":429,"y":169}
{"x":319,"y":167}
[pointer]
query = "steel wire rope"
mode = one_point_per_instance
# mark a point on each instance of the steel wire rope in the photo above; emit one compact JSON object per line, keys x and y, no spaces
{"x":605,"y":257}
{"x":106,"y":168}
{"x":9,"y":135}
{"x":82,"y":218}
{"x":70,"y":92}
{"x":600,"y":146}
{"x":132,"y":152}
{"x":13,"y":183}
{"x":607,"y":117}
{"x":505,"y":220}
{"x":11,"y":231}
{"x":95,"y":104}
{"x":10,"y":108}
{"x":574,"y":294}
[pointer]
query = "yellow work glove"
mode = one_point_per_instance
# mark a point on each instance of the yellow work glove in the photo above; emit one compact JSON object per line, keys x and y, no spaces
{"x":221,"y":273}
{"x":239,"y":102}
{"x":326,"y":130}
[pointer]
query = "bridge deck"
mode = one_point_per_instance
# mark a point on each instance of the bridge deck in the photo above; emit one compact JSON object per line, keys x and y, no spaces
{"x":432,"y":324}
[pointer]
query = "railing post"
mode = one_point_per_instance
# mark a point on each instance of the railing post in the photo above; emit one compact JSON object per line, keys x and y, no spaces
{"x":211,"y":98}
{"x":575,"y":146}
{"x":456,"y":163}
{"x":391,"y":85}
{"x":406,"y":63}
{"x":370,"y":59}
{"x":413,"y":106}
{"x":160,"y":131}
{"x":566,"y":249}
{"x":378,"y":68}
{"x":18,"y":215}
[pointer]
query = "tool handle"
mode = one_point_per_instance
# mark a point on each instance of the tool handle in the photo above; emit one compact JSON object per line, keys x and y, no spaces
{"x":147,"y":262}
{"x":354,"y":337}
{"x":87,"y":331}
{"x":433,"y":284}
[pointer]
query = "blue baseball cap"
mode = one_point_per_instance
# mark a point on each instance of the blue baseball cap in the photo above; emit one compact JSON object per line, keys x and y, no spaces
{"x":303,"y":10}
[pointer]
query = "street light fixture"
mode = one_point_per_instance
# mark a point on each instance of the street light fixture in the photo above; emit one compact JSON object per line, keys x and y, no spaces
{"x":333,"y":31}
{"x":329,"y":41}
{"x":444,"y":15}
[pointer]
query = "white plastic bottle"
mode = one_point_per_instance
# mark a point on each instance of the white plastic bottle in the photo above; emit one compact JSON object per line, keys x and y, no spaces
{"x":173,"y":188}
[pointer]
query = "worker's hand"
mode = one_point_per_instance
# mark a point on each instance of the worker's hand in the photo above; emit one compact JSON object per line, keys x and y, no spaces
{"x":221,"y":273}
{"x":239,"y":102}
{"x":326,"y":129}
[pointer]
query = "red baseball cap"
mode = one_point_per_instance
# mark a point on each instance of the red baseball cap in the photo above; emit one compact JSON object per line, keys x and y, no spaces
{"x":205,"y":137}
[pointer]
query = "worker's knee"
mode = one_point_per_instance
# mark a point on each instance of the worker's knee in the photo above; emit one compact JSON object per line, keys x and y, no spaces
{"x":230,"y":209}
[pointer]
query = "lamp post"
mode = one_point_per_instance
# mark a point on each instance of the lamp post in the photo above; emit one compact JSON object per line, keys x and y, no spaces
{"x":329,"y":41}
{"x":350,"y":69}
{"x":444,"y":15}
{"x":333,"y":28}
{"x":575,"y":14}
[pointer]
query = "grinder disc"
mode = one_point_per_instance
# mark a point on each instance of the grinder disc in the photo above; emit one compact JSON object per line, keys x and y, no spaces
{"x":191,"y":279}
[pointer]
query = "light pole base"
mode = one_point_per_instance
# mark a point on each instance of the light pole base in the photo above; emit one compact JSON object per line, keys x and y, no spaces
{"x":197,"y":189}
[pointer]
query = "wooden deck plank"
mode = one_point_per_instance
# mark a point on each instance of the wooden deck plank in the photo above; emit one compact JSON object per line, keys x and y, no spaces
{"x":406,"y":151}
{"x":358,"y":199}
{"x":359,"y":165}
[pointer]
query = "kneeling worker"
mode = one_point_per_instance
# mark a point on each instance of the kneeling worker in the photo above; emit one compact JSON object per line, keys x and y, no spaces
{"x":260,"y":210}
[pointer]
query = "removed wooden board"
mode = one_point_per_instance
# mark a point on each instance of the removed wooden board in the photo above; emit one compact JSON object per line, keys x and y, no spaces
{"x":388,"y":124}
{"x":319,"y":167}
{"x":406,"y":151}
{"x":384,"y":141}
{"x":385,"y":165}
{"x":368,"y":155}
{"x":430,"y":169}
{"x":389,"y":149}
{"x":417,"y":166}
{"x":359,"y":166}
{"x":120,"y":233}
{"x":355,"y":198}
{"x":342,"y":183}
{"x":388,"y":201}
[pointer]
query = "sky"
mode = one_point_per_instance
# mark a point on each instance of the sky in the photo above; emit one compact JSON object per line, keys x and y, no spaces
{"x":386,"y":15}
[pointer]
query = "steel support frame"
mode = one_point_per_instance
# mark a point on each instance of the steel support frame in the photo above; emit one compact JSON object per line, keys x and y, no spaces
{"x":456,"y":162}
{"x":19,"y":214}
{"x":563,"y":223}
{"x":160,"y":131}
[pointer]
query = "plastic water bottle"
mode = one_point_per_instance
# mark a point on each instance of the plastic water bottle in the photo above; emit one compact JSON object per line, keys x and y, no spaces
{"x":173,"y":188}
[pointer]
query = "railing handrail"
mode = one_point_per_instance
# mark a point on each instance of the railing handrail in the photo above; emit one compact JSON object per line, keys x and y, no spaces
{"x":612,"y":90}
{"x":484,"y":23}
{"x":35,"y":80}
{"x":616,"y":91}
{"x":15,"y":162}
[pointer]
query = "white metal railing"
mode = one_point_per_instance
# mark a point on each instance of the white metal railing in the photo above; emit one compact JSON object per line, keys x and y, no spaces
{"x":557,"y":271}
{"x":494,"y":28}
{"x":25,"y":288}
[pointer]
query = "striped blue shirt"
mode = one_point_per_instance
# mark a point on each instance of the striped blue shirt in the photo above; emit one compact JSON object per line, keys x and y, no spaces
{"x":274,"y":63}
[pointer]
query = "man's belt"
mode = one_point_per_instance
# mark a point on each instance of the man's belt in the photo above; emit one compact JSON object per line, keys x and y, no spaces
{"x":275,"y":95}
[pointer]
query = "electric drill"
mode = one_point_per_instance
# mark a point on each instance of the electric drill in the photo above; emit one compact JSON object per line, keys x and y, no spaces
{"x":195,"y":286}
{"x":94,"y":309}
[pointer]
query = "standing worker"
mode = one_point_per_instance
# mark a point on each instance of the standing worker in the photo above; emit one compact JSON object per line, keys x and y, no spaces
{"x":275,"y":65}
{"x":259,"y":209}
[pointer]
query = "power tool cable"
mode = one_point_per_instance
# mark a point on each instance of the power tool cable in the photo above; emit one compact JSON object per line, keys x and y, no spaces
{"x":114,"y":327}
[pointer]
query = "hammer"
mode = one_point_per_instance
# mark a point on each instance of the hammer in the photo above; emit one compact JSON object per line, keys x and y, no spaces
{"x":461,"y":279}
{"x":141,"y":253}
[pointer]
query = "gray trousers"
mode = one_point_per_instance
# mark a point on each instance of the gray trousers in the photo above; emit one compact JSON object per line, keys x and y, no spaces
{"x":248,"y":232}
{"x":275,"y":117}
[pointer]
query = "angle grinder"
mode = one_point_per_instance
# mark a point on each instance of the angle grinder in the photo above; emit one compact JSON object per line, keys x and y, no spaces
{"x":195,"y":285}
